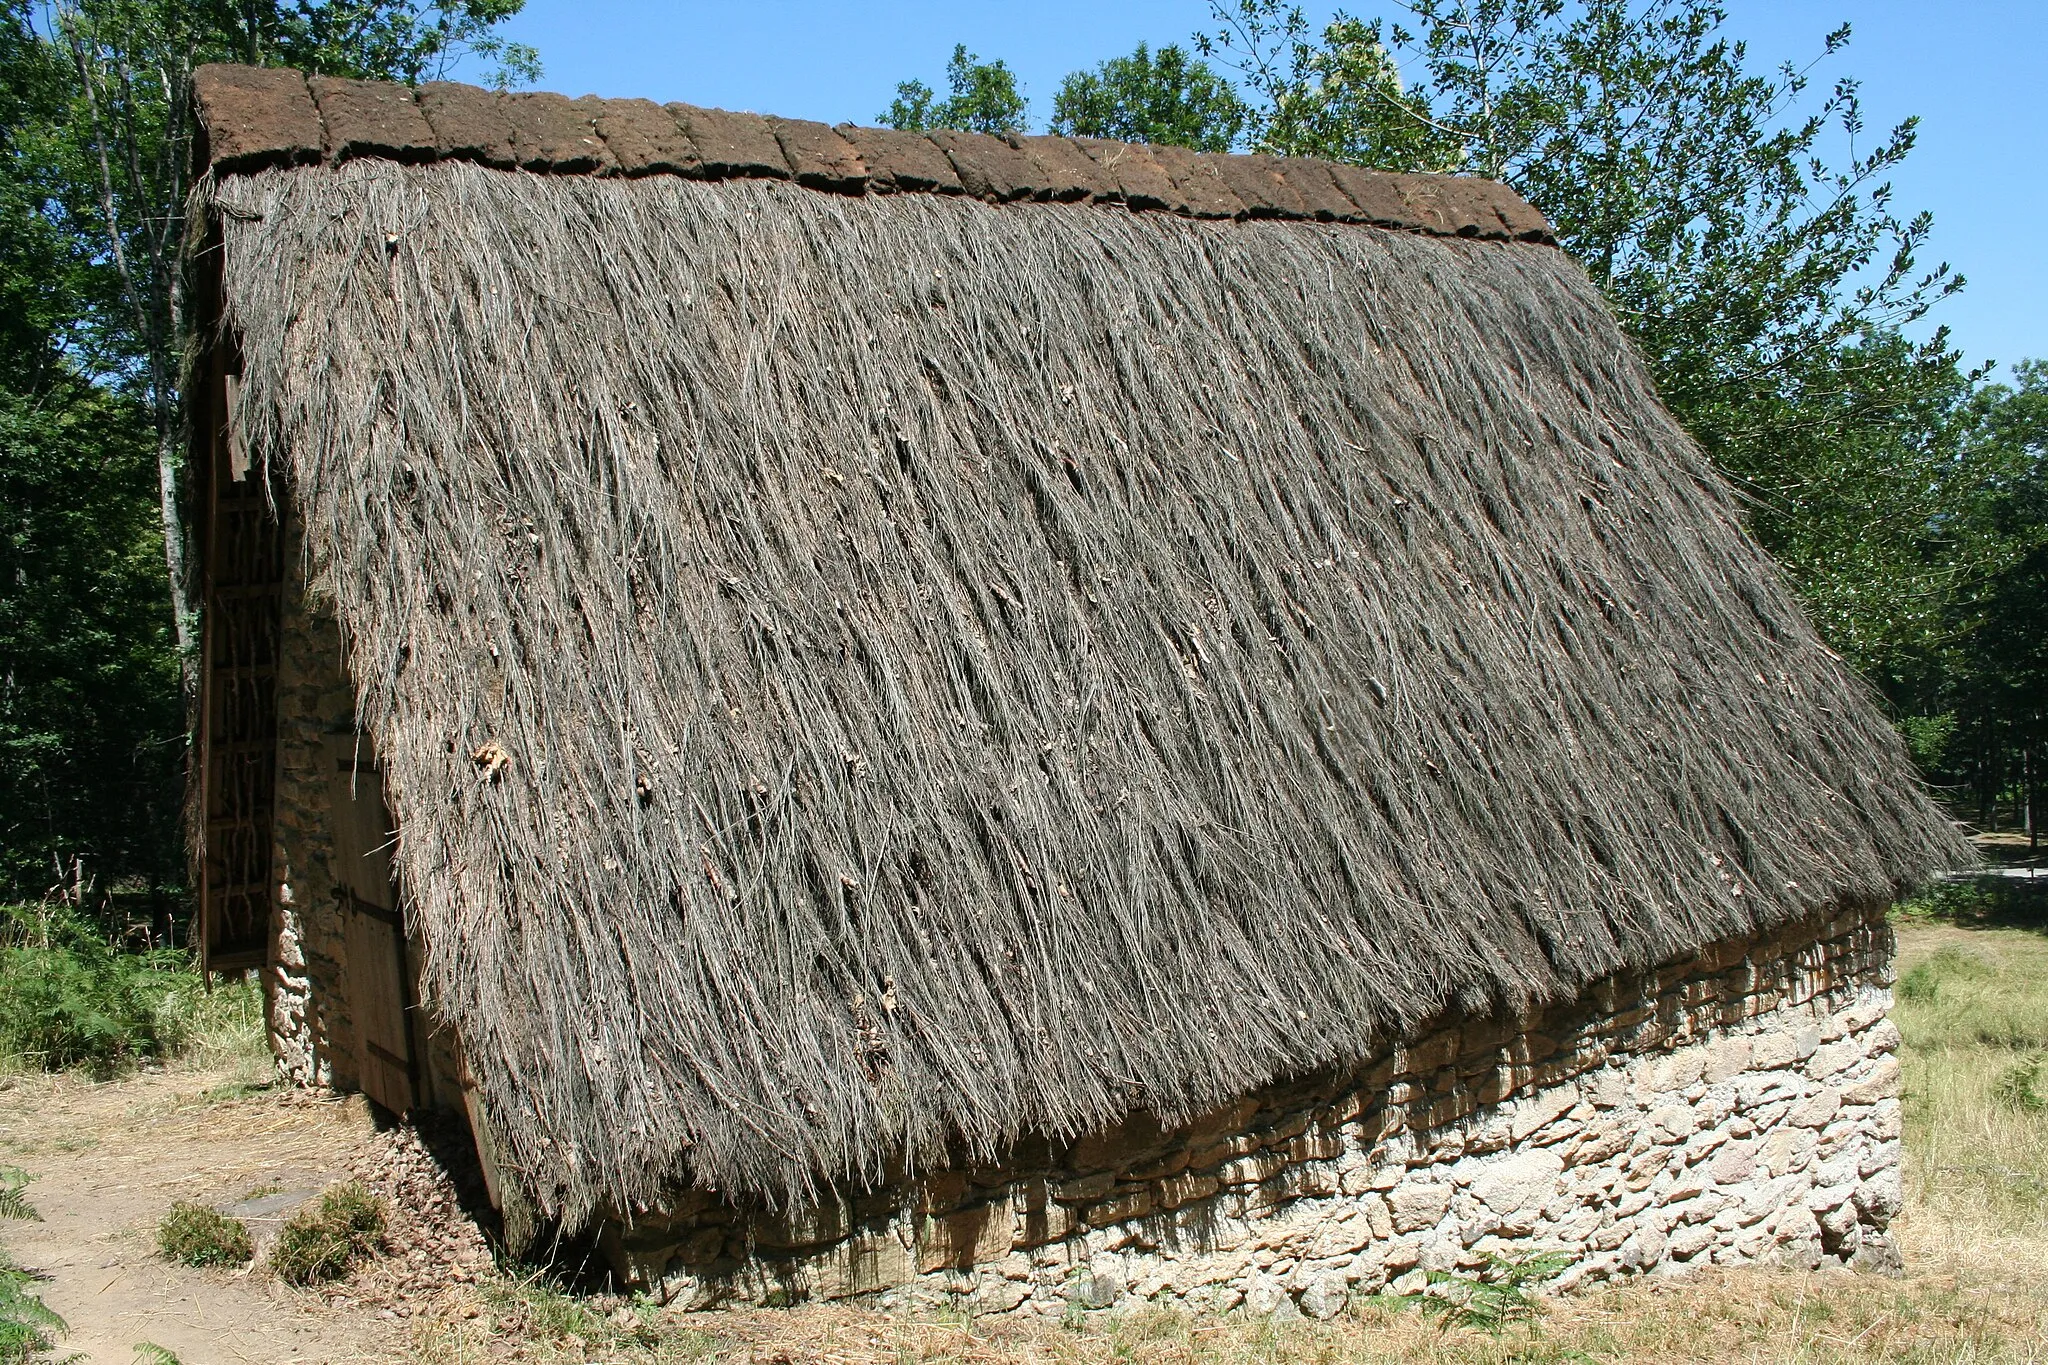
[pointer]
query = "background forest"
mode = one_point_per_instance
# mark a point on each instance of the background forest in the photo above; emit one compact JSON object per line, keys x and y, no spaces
{"x":1737,"y":215}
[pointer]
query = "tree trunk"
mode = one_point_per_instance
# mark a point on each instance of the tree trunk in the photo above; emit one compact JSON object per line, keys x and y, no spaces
{"x":153,"y":285}
{"x":2027,"y":795}
{"x":184,"y":612}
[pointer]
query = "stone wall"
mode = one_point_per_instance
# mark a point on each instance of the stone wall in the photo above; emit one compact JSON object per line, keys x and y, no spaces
{"x":306,"y":984}
{"x":1740,"y":1106}
{"x":312,"y":1030}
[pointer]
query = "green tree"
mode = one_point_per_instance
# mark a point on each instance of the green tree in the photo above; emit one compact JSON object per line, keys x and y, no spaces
{"x":91,"y":731}
{"x":983,"y":97}
{"x":46,"y":279}
{"x":132,"y":63}
{"x":1979,"y":705}
{"x":392,"y":40}
{"x":1166,"y":97}
{"x":1335,"y":94}
{"x":1866,"y":489}
{"x":90,"y":726}
{"x":94,"y":166}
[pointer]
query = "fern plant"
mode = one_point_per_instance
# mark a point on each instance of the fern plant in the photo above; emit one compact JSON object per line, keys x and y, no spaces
{"x":28,"y":1327}
{"x":13,"y":1195}
{"x":1501,"y":1294}
{"x":68,"y":997}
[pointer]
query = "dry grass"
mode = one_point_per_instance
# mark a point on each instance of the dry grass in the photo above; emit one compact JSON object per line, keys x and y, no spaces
{"x":1975,"y":1234}
{"x":1719,"y":1316}
{"x":225,"y":1035}
{"x":1973,"y":1009}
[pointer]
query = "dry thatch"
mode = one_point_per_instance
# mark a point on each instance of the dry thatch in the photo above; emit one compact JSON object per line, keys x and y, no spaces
{"x":865,"y":678}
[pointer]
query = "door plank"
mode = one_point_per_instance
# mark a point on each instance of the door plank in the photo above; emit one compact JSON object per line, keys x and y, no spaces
{"x":379,"y":997}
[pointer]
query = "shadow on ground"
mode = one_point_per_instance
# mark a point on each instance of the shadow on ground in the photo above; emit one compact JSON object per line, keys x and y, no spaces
{"x":1991,"y":899}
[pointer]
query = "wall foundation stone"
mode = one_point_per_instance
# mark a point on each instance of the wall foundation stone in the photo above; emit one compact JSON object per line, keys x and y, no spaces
{"x":1739,"y":1107}
{"x":305,"y":983}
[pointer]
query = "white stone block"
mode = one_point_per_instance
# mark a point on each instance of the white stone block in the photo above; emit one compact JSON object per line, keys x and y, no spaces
{"x":1689,"y":1241}
{"x":1786,"y":1150}
{"x":1576,"y":1228}
{"x":1880,"y":1085}
{"x":1834,"y":1059}
{"x":1815,"y":1110}
{"x":1606,"y":1088}
{"x":1867,"y":1009}
{"x":1671,"y":1123}
{"x":1734,"y":1164}
{"x":1785,"y":1046}
{"x":1325,"y":1297}
{"x":1880,"y":1196}
{"x":1525,"y":1116}
{"x":1524,"y":1180}
{"x":1644,"y":1249}
{"x":1418,"y":1205}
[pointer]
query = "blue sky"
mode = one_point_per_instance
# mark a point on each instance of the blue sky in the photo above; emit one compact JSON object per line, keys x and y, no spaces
{"x":1969,"y":68}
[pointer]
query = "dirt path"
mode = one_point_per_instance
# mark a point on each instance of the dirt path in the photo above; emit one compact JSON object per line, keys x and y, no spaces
{"x":108,"y":1160}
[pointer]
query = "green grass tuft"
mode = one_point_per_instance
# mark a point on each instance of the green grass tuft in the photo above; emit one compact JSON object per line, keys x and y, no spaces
{"x":192,"y":1234}
{"x":327,"y":1239}
{"x":2018,"y":1087}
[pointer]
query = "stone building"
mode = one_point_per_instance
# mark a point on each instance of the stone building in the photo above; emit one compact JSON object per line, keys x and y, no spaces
{"x":1026,"y":722}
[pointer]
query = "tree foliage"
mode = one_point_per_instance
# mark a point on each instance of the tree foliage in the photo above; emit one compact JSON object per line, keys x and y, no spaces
{"x":1164,"y":96}
{"x":96,"y":612}
{"x":983,"y":97}
{"x":1334,"y":94}
{"x":1977,"y":704}
{"x":90,"y":725}
{"x":91,"y":729}
{"x":46,"y":277}
{"x":400,"y":40}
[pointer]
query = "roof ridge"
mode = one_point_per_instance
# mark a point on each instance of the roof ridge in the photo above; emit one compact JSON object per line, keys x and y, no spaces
{"x":251,"y":117}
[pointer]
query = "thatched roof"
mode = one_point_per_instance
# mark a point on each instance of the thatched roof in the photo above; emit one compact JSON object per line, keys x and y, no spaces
{"x":865,"y":675}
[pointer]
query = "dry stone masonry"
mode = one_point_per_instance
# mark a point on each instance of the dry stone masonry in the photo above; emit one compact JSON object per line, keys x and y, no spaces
{"x":313,"y":1028}
{"x":1738,"y":1107}
{"x":305,"y":985}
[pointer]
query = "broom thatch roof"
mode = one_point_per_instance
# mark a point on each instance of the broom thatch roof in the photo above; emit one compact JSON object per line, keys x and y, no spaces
{"x":865,"y":674}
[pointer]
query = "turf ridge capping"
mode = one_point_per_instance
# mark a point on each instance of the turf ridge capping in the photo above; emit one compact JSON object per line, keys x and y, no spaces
{"x":252,"y":118}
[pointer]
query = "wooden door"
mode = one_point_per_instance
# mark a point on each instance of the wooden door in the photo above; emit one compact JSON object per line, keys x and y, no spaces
{"x":241,"y":576}
{"x":379,"y":984}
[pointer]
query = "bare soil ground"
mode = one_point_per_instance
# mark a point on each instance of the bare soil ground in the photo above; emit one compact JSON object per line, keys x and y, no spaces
{"x":109,"y":1159}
